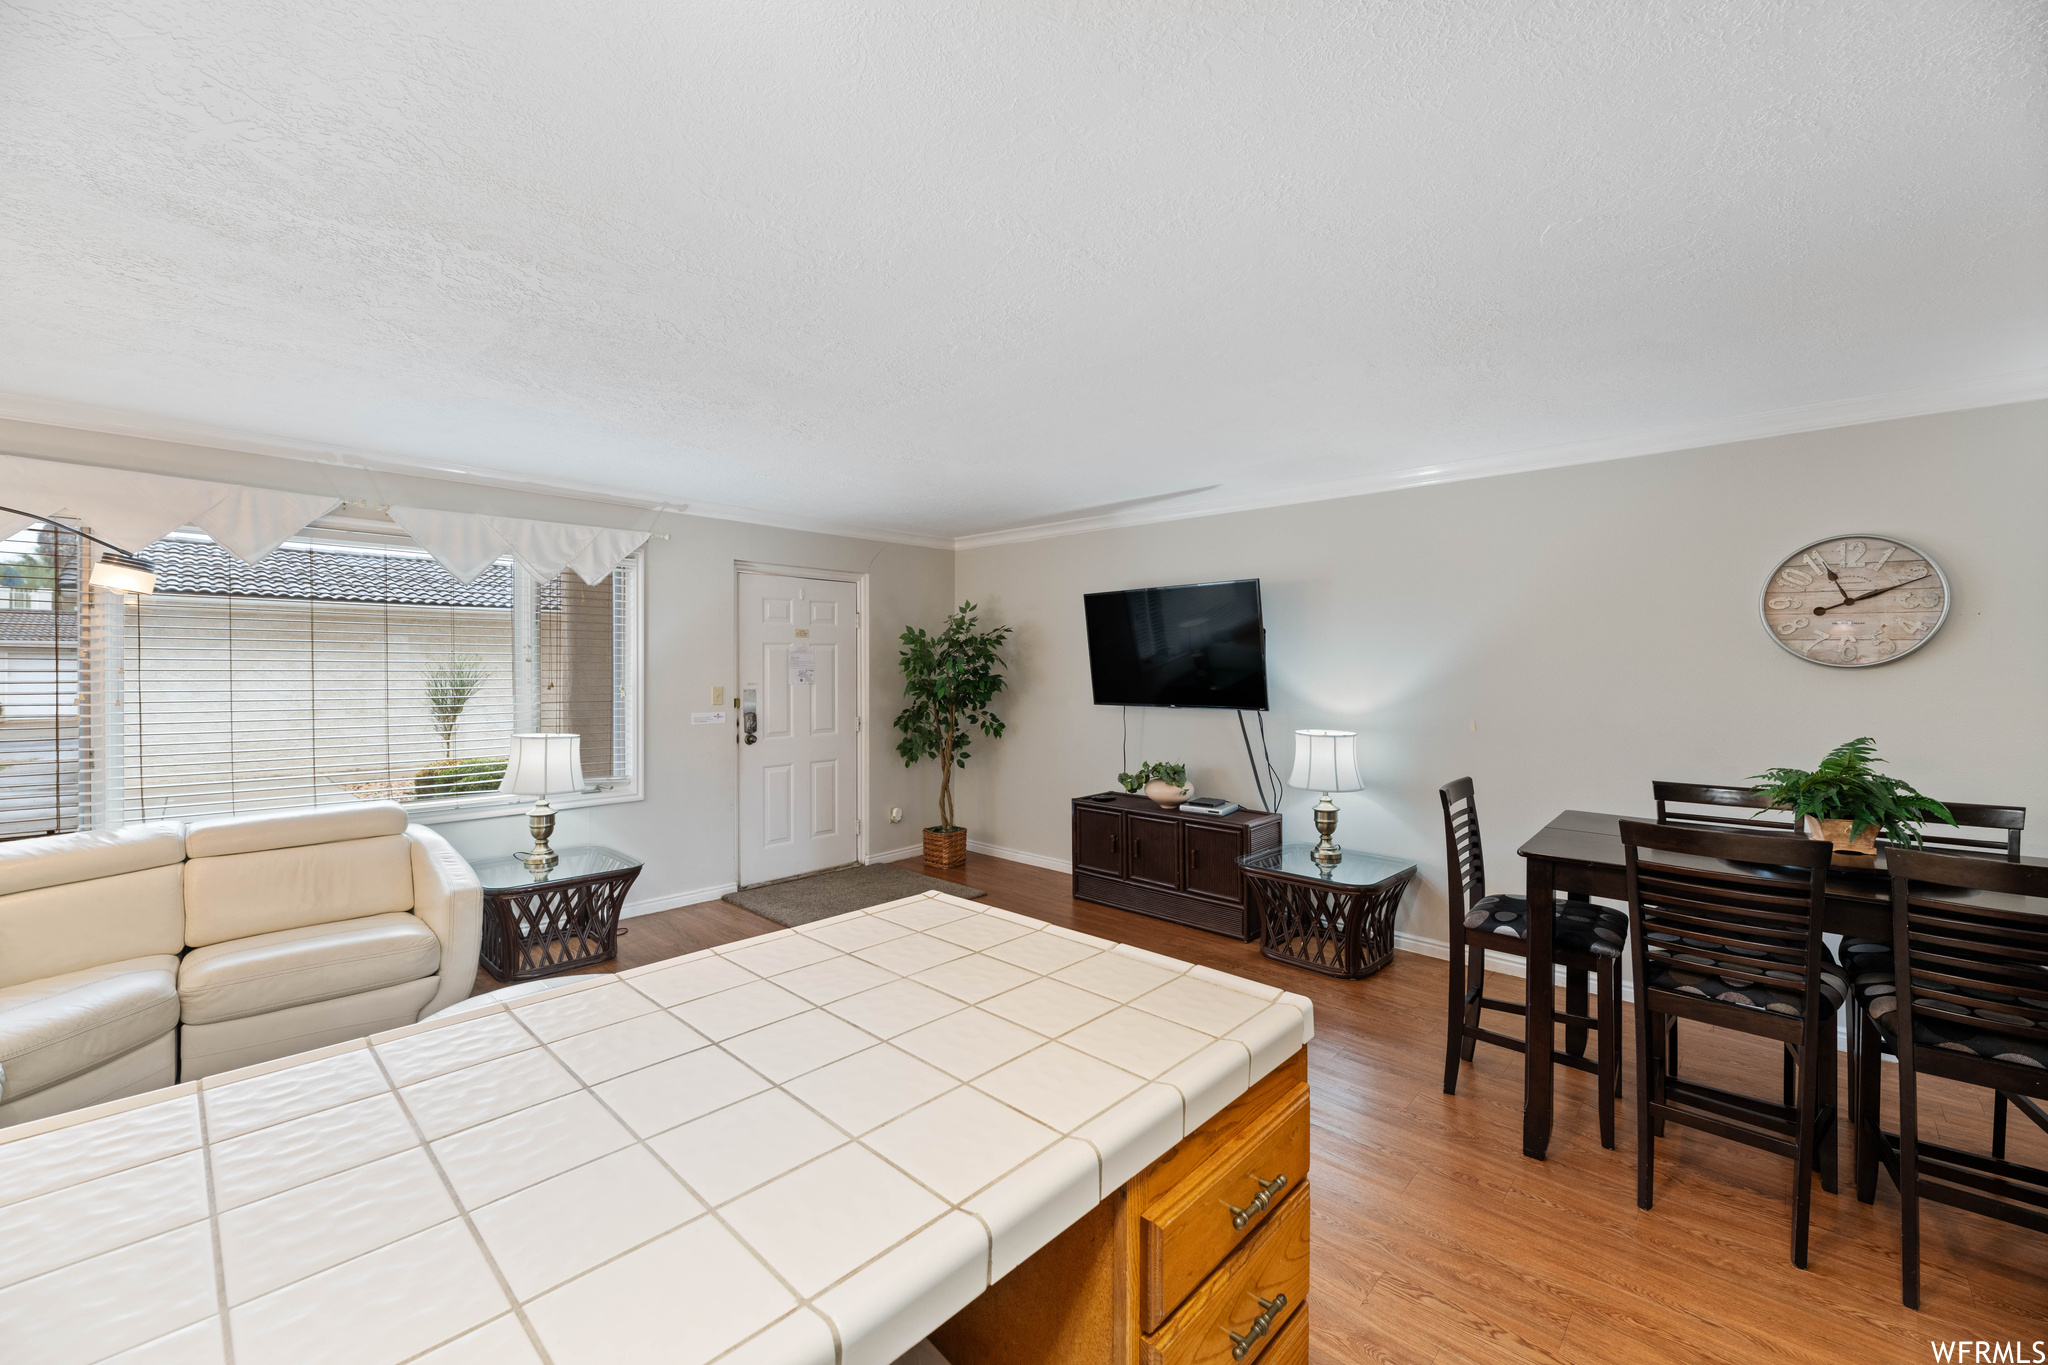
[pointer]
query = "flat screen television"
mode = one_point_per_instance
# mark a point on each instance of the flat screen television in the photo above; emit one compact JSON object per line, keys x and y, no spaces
{"x":1199,"y":644}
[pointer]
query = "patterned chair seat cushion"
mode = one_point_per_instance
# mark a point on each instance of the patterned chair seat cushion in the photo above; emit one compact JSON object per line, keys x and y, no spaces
{"x":1576,"y":926}
{"x":1942,"y":1023}
{"x":1708,"y":985}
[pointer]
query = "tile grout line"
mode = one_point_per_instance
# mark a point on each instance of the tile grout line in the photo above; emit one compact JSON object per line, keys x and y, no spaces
{"x":462,"y":1212}
{"x":220,"y":1269}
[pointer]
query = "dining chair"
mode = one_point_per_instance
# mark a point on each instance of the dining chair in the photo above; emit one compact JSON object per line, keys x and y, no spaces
{"x":1869,"y":964}
{"x":1585,"y":939}
{"x":1970,"y":1004}
{"x":1739,"y":950}
{"x":1666,"y":795}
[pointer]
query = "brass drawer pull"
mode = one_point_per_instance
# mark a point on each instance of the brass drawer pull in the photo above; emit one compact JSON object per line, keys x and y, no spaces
{"x":1261,"y":1325}
{"x":1267,"y":1189}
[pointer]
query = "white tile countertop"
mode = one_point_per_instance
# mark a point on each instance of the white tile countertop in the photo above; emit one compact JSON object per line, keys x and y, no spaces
{"x":800,"y":1149}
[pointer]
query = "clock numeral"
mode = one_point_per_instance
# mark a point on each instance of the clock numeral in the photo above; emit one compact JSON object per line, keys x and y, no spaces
{"x":1820,"y":566}
{"x":1798,"y":578}
{"x":1852,"y":553}
{"x":1783,"y":603}
{"x":1913,"y":624}
{"x":1797,"y":623}
{"x":1889,"y":551}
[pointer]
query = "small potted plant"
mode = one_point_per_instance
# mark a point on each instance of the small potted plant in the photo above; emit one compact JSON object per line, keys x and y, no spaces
{"x":950,"y":681}
{"x":1847,"y":802}
{"x":1164,"y":784}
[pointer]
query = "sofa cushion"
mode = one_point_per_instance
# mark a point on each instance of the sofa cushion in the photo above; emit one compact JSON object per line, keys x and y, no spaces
{"x":53,"y":930}
{"x":290,"y":967}
{"x":61,"y":1026}
{"x":225,"y":834}
{"x":241,"y":894}
{"x":26,"y":864}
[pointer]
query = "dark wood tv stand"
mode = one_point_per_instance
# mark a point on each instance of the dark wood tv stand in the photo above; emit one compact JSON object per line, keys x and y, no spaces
{"x":1134,"y":855}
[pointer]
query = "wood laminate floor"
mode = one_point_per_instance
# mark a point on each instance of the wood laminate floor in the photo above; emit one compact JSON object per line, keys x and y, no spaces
{"x":1438,"y":1243}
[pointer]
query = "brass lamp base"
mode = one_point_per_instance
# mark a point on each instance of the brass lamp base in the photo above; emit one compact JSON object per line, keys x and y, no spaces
{"x":541,"y":822}
{"x":1327,"y":852}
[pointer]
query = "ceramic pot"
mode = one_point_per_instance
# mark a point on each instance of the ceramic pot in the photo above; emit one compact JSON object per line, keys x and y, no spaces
{"x":1836,"y":832}
{"x":1165,"y":795}
{"x":945,"y":847}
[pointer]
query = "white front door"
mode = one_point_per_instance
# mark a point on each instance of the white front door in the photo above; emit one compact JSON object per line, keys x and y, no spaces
{"x":798,"y":656}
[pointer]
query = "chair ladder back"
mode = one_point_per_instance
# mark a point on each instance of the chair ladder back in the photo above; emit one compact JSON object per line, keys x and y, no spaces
{"x":1708,"y":794}
{"x":1465,"y":860}
{"x":1981,"y":966}
{"x":2008,"y":820}
{"x":1705,"y":920}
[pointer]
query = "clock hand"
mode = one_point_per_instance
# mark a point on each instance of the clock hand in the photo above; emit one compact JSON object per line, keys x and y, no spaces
{"x":1823,"y":611}
{"x":1846,"y":599}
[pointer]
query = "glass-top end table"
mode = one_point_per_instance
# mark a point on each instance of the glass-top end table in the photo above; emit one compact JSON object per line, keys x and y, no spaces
{"x":544,"y":923}
{"x":1337,"y":920}
{"x":508,"y":873}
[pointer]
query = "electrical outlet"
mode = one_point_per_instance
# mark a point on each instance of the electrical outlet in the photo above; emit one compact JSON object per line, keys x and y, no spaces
{"x":895,"y":815}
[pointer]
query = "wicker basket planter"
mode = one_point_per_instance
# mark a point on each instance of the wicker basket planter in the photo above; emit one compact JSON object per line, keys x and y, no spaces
{"x":945,"y":847}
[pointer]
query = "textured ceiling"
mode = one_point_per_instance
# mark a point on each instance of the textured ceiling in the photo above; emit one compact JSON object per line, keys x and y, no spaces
{"x":957,"y":266}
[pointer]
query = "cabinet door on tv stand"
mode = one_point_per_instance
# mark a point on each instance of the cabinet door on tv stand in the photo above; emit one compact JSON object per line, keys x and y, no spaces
{"x":1212,"y":862}
{"x":1098,"y":841}
{"x":1154,"y":856}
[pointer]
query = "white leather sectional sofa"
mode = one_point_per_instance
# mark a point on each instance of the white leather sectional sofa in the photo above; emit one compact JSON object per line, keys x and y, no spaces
{"x":138,"y":957}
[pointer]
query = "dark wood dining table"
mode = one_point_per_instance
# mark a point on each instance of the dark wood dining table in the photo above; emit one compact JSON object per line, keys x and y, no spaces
{"x":1580,"y":854}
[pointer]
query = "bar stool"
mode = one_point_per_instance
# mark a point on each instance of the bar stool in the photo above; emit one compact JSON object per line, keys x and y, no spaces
{"x":1586,"y":938}
{"x":1740,"y":951}
{"x":1968,"y":1001}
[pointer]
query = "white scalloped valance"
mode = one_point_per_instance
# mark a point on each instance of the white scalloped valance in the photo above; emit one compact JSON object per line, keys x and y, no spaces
{"x":132,"y":509}
{"x":466,"y":543}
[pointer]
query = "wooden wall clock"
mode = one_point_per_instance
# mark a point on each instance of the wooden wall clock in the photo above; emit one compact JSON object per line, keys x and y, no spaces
{"x":1854,"y":601}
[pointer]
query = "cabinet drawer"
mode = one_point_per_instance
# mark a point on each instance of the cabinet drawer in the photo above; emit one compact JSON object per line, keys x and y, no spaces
{"x":1251,"y":1297}
{"x":1290,"y":1343}
{"x":1191,"y":1227}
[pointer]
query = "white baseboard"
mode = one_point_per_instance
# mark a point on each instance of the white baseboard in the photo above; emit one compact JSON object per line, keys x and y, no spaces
{"x":1018,"y":855}
{"x":897,"y":855}
{"x":675,"y":900}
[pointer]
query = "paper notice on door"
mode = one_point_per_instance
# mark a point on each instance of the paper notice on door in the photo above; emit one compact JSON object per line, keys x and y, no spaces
{"x":803,"y":664}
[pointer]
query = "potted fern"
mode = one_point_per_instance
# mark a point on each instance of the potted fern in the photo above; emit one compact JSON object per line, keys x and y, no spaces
{"x":1847,"y":802}
{"x":950,"y":681}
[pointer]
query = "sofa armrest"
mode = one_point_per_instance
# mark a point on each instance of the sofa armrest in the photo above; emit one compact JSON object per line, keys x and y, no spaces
{"x":449,"y":899}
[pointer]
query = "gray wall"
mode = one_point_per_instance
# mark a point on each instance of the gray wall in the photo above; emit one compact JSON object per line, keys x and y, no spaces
{"x":1563,"y":637}
{"x":686,"y":827}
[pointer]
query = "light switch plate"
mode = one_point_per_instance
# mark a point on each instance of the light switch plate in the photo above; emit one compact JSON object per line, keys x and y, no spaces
{"x":707,"y":718}
{"x":718,"y":696}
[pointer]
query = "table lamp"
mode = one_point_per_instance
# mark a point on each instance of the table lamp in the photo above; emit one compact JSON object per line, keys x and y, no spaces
{"x":1326,"y":761}
{"x":537,"y":765}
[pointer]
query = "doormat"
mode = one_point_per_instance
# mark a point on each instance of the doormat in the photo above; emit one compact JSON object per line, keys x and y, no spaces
{"x":803,"y":900}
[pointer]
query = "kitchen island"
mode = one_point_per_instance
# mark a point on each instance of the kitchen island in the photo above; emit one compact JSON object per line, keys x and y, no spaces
{"x":816,"y":1146}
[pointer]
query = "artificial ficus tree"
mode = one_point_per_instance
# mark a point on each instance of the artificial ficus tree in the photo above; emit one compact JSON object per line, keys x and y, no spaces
{"x":950,"y":680}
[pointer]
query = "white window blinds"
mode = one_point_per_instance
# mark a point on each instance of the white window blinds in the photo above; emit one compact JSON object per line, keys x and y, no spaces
{"x":330,"y":673}
{"x":40,"y":721}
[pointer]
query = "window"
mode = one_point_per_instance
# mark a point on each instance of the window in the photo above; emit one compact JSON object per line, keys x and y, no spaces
{"x":39,"y":716}
{"x":330,"y":672}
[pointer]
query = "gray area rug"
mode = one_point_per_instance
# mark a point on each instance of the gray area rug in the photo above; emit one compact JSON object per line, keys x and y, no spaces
{"x":822,"y":895}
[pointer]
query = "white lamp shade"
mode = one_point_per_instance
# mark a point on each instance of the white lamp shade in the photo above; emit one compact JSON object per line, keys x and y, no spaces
{"x":124,"y":574}
{"x":1326,"y":761}
{"x":540,"y":764}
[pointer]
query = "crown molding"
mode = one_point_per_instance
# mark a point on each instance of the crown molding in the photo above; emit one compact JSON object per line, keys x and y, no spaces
{"x":2024,"y":386}
{"x":112,"y":422}
{"x":2020,"y":387}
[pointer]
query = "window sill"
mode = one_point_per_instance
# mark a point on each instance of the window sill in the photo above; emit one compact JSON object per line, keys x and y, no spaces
{"x":496,"y":807}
